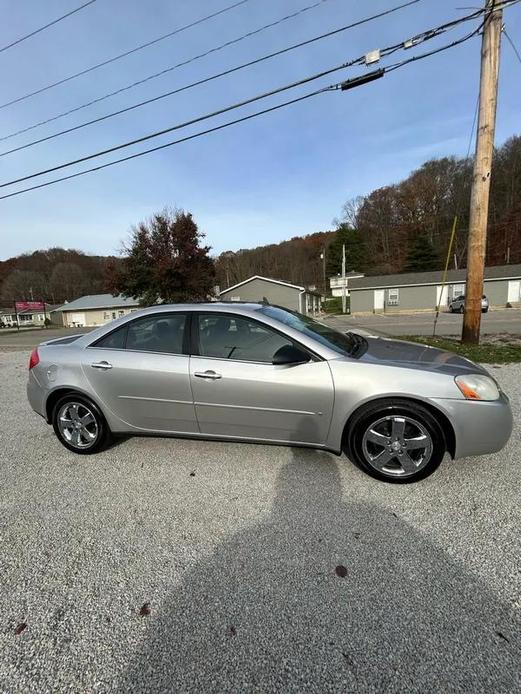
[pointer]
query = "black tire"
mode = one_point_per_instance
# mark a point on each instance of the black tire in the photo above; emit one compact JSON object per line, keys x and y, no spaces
{"x":451,"y":310}
{"x":373,"y":415}
{"x":462,"y":309}
{"x":98,"y":425}
{"x":484,"y":310}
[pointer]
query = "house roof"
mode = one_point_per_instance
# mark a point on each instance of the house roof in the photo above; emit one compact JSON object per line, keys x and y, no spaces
{"x":97,"y":301}
{"x":351,"y":273}
{"x":418,"y":278}
{"x":265,"y":279}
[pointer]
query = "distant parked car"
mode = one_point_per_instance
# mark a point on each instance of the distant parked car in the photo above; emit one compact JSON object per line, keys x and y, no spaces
{"x":254,"y":372}
{"x":457,"y":305}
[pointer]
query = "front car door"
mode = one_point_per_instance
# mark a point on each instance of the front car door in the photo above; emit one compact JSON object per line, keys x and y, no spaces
{"x":238,"y":392}
{"x":140,"y":372}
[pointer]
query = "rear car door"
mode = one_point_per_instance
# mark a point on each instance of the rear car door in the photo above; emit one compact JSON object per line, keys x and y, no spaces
{"x":140,"y":372}
{"x":238,"y":392}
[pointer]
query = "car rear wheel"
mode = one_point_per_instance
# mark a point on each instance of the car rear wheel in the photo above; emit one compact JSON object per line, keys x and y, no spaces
{"x":79,"y":425}
{"x":396,"y":441}
{"x":462,"y":309}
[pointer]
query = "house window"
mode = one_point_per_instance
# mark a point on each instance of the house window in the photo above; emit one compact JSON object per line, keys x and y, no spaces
{"x":106,"y":315}
{"x":458,"y":290}
{"x":121,"y":313}
{"x":393,"y":297}
{"x":235,"y":298}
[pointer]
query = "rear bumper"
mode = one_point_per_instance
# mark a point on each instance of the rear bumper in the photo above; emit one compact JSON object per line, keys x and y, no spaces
{"x":36,"y":395}
{"x":479,"y":427}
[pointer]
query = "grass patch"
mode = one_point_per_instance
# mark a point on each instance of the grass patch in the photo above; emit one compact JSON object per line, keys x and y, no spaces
{"x":485,"y":353}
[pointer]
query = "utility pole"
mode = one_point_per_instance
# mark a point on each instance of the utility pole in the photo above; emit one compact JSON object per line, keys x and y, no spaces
{"x":479,"y":200}
{"x":344,"y":301}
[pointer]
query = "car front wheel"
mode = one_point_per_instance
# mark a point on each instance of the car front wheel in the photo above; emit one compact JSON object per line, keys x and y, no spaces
{"x":79,"y":424}
{"x":396,"y":441}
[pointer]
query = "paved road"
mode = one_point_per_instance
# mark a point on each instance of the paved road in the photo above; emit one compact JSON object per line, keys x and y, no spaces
{"x":28,"y":339}
{"x":229,"y":551}
{"x":499,"y":321}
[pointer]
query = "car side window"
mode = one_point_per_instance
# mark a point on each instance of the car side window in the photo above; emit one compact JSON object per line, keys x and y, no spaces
{"x":114,"y":340}
{"x":237,"y":338}
{"x":156,"y":333}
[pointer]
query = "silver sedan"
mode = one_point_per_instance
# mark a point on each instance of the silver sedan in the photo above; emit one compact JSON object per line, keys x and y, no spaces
{"x":255,"y":372}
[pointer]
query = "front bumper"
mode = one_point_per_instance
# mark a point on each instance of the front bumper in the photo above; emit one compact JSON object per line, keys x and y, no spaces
{"x":480,"y":427}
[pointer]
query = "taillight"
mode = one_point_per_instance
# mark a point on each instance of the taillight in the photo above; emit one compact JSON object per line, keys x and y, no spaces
{"x":34,"y":358}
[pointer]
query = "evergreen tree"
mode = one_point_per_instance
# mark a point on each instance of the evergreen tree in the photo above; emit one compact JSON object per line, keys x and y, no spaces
{"x":356,"y":254}
{"x":421,"y":256}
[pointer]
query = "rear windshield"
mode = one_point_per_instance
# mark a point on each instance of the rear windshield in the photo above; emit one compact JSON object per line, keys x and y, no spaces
{"x":346,"y":344}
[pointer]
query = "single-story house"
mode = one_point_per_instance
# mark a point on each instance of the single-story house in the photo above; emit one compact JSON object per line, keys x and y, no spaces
{"x":422,"y":291}
{"x":336,"y":282}
{"x":29,"y":317}
{"x":277,"y":292}
{"x":95,"y":309}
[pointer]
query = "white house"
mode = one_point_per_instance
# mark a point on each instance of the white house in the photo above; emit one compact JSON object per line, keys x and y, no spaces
{"x":336,"y":283}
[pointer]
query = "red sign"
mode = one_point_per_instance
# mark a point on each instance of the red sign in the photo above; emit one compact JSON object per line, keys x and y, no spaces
{"x":29,"y":306}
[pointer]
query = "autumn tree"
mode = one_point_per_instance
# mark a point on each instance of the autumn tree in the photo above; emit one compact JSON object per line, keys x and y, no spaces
{"x":164,"y":262}
{"x":67,"y":281}
{"x":24,"y":285}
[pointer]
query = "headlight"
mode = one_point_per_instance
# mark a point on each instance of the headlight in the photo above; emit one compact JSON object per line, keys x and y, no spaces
{"x":477,"y":387}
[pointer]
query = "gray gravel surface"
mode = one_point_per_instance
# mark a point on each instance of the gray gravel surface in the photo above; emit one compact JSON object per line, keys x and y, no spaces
{"x":235,"y":547}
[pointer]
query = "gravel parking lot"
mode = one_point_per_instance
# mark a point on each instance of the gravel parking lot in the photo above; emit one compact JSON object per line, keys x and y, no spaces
{"x":175,"y":565}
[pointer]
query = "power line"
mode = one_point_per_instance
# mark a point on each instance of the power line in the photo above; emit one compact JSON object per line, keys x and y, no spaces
{"x":425,"y":36}
{"x":512,"y":44}
{"x":146,"y":45}
{"x":341,"y":85}
{"x":168,"y":144}
{"x":45,"y":26}
{"x":192,"y":84}
{"x":178,"y":126}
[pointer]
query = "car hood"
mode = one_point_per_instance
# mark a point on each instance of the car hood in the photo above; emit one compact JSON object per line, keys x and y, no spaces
{"x":416,"y":356}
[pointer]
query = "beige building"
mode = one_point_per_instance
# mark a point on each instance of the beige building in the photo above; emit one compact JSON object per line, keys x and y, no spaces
{"x":95,"y":309}
{"x":275,"y":292}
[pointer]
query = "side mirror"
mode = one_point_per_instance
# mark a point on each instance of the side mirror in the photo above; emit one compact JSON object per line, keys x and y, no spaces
{"x":289,"y":354}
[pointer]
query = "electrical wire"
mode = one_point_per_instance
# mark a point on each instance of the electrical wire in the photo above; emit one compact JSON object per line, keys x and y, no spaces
{"x":191,"y":85}
{"x":46,"y":26}
{"x":169,"y":144}
{"x":178,"y":126}
{"x":150,"y":43}
{"x":512,"y":44}
{"x":204,"y":132}
{"x":425,"y":36}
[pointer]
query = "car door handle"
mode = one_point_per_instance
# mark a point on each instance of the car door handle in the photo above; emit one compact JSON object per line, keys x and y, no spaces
{"x":101,"y":365}
{"x":208,"y":374}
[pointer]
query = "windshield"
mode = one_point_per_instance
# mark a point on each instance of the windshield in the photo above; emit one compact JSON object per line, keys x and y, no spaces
{"x":343,"y":343}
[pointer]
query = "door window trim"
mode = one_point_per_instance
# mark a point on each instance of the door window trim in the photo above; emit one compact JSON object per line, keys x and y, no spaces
{"x":194,"y":338}
{"x":186,"y":335}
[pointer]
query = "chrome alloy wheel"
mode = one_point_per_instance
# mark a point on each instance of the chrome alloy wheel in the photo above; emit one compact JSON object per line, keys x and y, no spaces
{"x":397,"y":445}
{"x":78,"y":425}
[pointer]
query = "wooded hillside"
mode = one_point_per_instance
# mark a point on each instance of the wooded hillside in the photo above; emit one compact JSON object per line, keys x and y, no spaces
{"x":54,"y":275}
{"x":398,"y":225}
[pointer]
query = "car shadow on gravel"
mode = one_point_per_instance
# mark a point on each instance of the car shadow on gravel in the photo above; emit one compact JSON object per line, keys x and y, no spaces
{"x":274,"y":609}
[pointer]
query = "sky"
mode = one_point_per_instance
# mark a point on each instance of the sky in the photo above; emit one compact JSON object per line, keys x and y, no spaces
{"x":284,"y":174}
